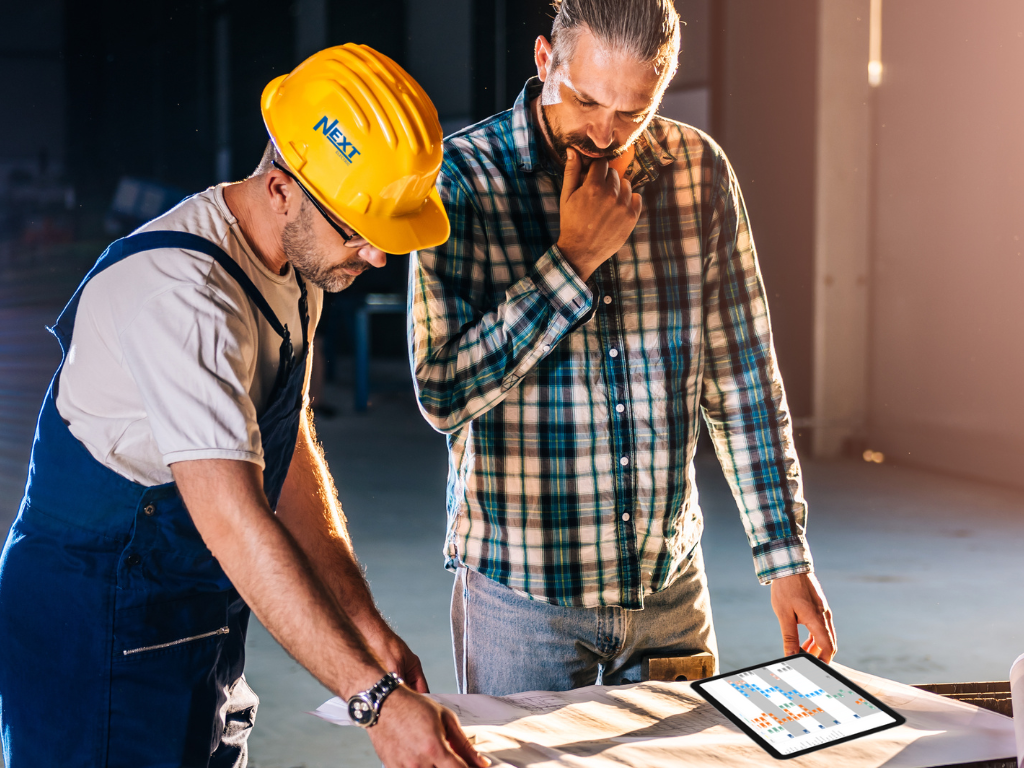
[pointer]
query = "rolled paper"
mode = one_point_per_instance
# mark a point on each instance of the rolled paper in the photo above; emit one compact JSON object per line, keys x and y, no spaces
{"x":1017,"y":694}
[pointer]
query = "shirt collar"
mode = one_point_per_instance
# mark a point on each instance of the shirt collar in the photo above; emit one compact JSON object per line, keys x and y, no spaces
{"x":524,"y":134}
{"x":650,"y":154}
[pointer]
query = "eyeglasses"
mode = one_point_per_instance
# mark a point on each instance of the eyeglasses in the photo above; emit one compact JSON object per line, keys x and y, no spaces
{"x":353,"y":240}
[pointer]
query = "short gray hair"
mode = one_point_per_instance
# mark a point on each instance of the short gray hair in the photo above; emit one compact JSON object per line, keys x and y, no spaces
{"x":648,"y":30}
{"x":270,"y":156}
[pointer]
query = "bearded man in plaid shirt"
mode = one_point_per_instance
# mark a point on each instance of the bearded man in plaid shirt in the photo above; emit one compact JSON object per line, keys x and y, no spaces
{"x":600,"y":288}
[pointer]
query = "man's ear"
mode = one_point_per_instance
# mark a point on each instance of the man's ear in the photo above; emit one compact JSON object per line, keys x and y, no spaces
{"x":280,"y":191}
{"x":542,"y":57}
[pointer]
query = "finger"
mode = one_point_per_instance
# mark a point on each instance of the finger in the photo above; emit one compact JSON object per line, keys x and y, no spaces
{"x":571,"y":178}
{"x":604,"y":175}
{"x":625,"y":191}
{"x":819,"y":631}
{"x":790,"y":634}
{"x":832,"y":633}
{"x":637,"y":204}
{"x":597,"y":172}
{"x":416,"y":679}
{"x":806,"y":645}
{"x":459,"y":741}
{"x":412,"y":670}
{"x":826,"y":650}
{"x":450,"y":760}
{"x":613,"y":180}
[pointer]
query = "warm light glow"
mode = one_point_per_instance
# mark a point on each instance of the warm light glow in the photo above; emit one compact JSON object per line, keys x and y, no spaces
{"x":875,"y":44}
{"x":874,"y":457}
{"x":874,"y":73}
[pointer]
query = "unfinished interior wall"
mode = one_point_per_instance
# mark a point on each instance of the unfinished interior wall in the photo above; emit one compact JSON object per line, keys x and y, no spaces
{"x":767,"y":92}
{"x":842,"y":226}
{"x":946,"y":357}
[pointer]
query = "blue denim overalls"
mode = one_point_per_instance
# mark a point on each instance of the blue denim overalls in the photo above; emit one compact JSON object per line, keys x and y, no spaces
{"x":121,"y":639}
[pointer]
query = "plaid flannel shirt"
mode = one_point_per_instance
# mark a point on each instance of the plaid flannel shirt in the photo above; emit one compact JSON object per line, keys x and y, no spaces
{"x":571,"y":408}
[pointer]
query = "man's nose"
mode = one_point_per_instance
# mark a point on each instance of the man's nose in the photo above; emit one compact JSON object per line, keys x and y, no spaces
{"x":602,"y":133}
{"x":375,"y":257}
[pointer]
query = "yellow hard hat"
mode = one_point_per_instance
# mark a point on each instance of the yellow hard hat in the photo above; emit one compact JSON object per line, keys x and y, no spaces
{"x":364,"y":139}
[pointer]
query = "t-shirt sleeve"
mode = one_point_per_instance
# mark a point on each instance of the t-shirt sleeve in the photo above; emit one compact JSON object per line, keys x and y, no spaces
{"x":192,"y":352}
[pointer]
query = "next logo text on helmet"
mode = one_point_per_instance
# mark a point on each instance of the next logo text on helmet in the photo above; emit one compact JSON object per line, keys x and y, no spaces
{"x":334,"y":135}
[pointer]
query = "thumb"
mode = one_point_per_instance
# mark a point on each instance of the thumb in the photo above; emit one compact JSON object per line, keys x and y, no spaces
{"x":571,"y":178}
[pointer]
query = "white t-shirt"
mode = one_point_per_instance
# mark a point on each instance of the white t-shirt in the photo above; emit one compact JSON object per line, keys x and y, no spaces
{"x":170,"y":360}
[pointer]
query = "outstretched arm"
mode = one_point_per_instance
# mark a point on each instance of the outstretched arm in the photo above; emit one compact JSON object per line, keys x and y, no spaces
{"x":748,"y":417}
{"x":268,"y":568}
{"x":310,"y":510}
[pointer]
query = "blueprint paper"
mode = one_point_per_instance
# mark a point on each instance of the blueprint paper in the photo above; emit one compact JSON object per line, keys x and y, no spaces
{"x":658,"y":725}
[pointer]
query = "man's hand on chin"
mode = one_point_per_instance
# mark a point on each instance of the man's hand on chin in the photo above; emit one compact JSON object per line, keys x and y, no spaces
{"x":800,"y":600}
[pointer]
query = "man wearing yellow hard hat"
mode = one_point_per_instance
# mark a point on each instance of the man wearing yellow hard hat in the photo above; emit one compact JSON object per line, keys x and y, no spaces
{"x":177,"y":426}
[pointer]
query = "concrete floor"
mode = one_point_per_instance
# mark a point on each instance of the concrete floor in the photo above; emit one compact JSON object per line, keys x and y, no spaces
{"x":921,"y":569}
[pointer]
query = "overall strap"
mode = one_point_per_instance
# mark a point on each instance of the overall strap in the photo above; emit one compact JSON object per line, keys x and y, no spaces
{"x":148,"y":241}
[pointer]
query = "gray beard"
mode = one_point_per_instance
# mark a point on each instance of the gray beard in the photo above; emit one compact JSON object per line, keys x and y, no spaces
{"x":300,"y":248}
{"x":561,"y":142}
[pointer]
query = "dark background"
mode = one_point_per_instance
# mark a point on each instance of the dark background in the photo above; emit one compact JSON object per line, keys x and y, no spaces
{"x":164,"y":95}
{"x":168,"y":92}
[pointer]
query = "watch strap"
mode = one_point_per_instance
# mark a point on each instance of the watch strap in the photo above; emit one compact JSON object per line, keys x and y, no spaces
{"x":384,"y":686}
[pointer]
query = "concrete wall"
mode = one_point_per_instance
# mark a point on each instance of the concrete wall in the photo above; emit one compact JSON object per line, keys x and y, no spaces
{"x":947,"y":361}
{"x":688,"y":98}
{"x":842,"y":226}
{"x":767,"y":113}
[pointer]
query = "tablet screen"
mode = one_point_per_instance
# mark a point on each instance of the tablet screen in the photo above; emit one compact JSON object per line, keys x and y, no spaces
{"x":797,"y":704}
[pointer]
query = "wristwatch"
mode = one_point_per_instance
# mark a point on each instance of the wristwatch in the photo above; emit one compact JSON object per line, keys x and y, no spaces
{"x":364,"y":707}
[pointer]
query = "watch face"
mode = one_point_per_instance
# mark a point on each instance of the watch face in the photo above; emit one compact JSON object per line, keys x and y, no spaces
{"x":360,"y":711}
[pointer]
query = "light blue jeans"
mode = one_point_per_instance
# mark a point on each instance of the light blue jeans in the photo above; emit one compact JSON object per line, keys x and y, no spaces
{"x":505,"y":643}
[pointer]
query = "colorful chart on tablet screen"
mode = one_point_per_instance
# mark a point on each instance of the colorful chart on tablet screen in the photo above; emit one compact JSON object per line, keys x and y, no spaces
{"x":795,"y":704}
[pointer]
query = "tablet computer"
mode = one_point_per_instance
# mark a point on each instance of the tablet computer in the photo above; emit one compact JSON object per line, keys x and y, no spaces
{"x":796,"y":705}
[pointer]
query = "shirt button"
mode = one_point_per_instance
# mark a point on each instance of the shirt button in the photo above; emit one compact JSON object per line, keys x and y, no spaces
{"x":607,"y":299}
{"x":625,"y":517}
{"x":149,"y":510}
{"x":133,"y":559}
{"x":613,"y":353}
{"x":620,"y":408}
{"x":624,"y":460}
{"x":546,"y":347}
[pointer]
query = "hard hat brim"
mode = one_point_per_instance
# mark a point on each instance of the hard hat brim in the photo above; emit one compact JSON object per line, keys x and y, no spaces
{"x":426,"y":228}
